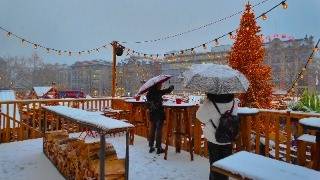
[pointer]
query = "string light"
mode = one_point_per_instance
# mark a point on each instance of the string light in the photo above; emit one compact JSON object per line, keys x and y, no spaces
{"x":315,"y":49}
{"x":216,"y":42}
{"x":79,"y":52}
{"x":284,"y":5}
{"x":264,"y":17}
{"x":300,"y":76}
{"x":59,"y":52}
{"x":194,"y":29}
{"x":69,"y":53}
{"x":35,"y":46}
{"x":22,"y":42}
{"x":48,"y":50}
{"x":230,"y":35}
{"x":204,"y":46}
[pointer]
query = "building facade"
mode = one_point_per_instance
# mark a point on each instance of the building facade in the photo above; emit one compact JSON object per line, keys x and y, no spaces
{"x":92,"y":77}
{"x":286,"y":58}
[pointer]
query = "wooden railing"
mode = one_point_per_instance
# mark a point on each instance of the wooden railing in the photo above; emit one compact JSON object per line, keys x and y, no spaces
{"x":21,"y":119}
{"x":272,"y":133}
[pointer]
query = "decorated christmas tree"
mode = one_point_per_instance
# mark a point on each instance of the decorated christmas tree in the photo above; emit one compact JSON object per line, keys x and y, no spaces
{"x":247,"y":56}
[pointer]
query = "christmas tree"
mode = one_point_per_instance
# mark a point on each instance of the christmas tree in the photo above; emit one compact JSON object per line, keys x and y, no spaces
{"x":247,"y":55}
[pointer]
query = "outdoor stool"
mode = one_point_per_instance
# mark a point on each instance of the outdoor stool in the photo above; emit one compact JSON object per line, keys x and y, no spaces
{"x":180,"y":123}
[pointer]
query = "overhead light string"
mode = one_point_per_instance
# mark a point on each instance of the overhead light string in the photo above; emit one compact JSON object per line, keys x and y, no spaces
{"x":303,"y":69}
{"x":215,"y":41}
{"x":194,"y":29}
{"x":97,"y":49}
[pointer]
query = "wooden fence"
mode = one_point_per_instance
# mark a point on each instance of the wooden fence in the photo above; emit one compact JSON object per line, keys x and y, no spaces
{"x":272,"y":133}
{"x":21,"y":119}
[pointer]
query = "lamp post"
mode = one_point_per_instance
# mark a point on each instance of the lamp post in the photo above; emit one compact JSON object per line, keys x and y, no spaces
{"x":117,"y":50}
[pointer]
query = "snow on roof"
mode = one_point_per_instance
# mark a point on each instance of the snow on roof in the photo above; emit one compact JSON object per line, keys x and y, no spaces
{"x":253,"y":166}
{"x":9,"y":95}
{"x":41,"y":90}
{"x":90,"y":118}
{"x":310,"y":121}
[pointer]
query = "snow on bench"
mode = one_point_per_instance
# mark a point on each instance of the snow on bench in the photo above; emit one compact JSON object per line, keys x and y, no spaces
{"x":93,"y":119}
{"x":253,"y":166}
{"x":307,"y":138}
{"x":311,"y":121}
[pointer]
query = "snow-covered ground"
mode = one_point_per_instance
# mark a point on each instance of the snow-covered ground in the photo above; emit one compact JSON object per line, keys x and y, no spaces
{"x":25,"y":160}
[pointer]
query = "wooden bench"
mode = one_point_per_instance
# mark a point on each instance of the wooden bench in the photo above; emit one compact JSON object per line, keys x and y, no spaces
{"x":306,"y":141}
{"x":245,"y":165}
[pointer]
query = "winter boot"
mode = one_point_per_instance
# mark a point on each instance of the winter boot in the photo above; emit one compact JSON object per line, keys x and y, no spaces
{"x":160,"y":150}
{"x":151,"y":149}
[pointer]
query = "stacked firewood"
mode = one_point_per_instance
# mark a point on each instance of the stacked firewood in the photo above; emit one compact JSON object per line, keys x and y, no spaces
{"x":76,"y":159}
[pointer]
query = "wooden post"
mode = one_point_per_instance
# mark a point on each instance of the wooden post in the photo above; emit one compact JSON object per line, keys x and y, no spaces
{"x":114,"y":74}
{"x":127,"y":156}
{"x":102,"y":155}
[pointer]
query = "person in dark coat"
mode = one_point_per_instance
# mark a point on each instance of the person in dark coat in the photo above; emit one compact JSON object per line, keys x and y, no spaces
{"x":157,"y":116}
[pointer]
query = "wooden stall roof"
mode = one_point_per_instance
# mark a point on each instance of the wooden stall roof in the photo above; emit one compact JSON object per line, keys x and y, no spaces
{"x":90,"y":119}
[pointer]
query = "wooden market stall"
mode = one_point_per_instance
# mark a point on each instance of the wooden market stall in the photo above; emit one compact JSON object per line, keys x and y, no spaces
{"x":91,"y":121}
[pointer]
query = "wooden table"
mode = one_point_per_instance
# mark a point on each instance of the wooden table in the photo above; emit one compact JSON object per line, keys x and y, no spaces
{"x":245,"y":115}
{"x":180,"y":117}
{"x":138,"y":117}
{"x":101,"y":124}
{"x":245,"y":165}
{"x":313,"y":123}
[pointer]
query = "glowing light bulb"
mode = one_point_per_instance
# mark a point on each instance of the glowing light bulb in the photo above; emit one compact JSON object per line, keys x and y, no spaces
{"x":35,"y":46}
{"x":284,"y":5}
{"x":22,"y":42}
{"x":204,"y":46}
{"x":230,"y":35}
{"x":264,"y":17}
{"x":216,"y":42}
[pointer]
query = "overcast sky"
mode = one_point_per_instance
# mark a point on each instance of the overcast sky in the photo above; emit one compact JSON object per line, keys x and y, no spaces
{"x":84,"y":24}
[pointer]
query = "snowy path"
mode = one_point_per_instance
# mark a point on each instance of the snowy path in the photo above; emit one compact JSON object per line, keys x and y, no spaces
{"x":25,"y":160}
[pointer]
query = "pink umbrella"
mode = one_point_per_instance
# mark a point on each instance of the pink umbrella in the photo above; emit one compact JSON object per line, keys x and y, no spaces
{"x":151,"y":82}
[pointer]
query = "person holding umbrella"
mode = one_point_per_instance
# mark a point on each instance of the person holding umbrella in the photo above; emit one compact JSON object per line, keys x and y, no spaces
{"x":209,"y":114}
{"x":219,"y":109}
{"x":157,"y":115}
{"x":156,"y":110}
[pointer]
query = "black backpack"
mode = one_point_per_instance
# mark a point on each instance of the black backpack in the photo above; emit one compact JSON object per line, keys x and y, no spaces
{"x":228,"y":128}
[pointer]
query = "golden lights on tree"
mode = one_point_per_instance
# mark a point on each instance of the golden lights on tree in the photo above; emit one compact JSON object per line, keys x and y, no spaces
{"x":247,"y":56}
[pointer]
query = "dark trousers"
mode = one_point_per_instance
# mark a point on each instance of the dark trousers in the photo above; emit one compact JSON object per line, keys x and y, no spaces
{"x":217,"y":152}
{"x":155,"y":133}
